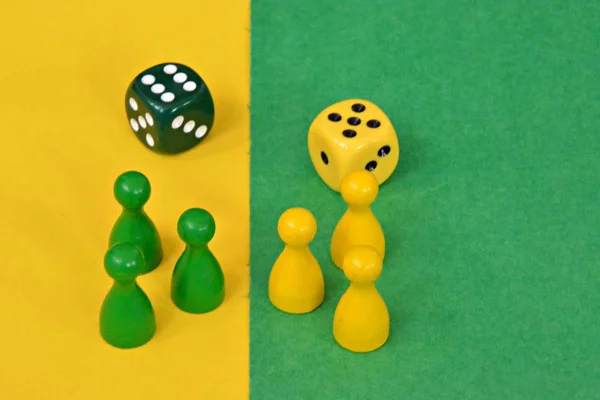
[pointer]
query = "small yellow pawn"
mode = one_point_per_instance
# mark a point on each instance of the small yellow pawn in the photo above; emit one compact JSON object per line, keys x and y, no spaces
{"x":358,"y":226}
{"x":361,"y":322}
{"x":296,"y":283}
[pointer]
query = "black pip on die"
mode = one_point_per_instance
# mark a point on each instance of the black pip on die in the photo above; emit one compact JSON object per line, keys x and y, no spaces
{"x":169,"y":108}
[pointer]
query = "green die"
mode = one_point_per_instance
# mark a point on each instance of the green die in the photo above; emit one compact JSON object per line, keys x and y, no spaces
{"x":169,"y":108}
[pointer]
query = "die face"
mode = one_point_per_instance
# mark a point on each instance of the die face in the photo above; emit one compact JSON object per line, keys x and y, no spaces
{"x":141,"y":120}
{"x":379,"y":156}
{"x":177,"y":101}
{"x":353,"y":134}
{"x":326,"y":156}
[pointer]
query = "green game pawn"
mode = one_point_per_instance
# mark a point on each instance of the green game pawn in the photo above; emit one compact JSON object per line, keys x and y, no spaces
{"x":197,"y":284}
{"x":127,"y":318}
{"x":132,"y":191}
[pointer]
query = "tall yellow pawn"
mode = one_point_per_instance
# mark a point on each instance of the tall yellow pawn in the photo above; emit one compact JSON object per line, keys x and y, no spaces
{"x":296,"y":283}
{"x":358,"y":226}
{"x":361,"y":322}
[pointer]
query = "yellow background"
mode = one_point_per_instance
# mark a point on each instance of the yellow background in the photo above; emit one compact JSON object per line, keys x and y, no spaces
{"x":64,"y":139}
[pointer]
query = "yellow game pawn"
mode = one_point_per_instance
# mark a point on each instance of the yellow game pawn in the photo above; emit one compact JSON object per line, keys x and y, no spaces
{"x":361,"y":322}
{"x":358,"y":226}
{"x":296,"y":283}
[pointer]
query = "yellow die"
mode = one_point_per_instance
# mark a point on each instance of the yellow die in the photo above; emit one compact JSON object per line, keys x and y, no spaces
{"x":352,"y":135}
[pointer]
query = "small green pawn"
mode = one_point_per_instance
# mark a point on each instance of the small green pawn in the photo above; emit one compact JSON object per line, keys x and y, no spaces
{"x":197,"y":284}
{"x":126,"y":318}
{"x":132,"y":191}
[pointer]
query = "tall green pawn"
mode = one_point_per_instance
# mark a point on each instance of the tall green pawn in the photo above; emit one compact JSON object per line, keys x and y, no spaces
{"x":132,"y":191}
{"x":126,"y":318}
{"x":198,"y":283}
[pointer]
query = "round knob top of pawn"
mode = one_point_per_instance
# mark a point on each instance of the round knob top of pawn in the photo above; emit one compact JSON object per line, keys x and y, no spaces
{"x":132,"y":190}
{"x":362,"y":264}
{"x":297,"y":226}
{"x":123,"y":262}
{"x":359,"y":188}
{"x":196,"y":227}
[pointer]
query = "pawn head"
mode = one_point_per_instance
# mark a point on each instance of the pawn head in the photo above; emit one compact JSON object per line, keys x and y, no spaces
{"x":196,"y":227}
{"x":132,"y":190}
{"x":123,"y":262}
{"x":359,"y":188}
{"x":297,"y":226}
{"x":362,"y":264}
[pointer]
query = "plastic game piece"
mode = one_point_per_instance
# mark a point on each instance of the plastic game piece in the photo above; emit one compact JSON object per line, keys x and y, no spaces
{"x":126,"y":318}
{"x":296,"y":283}
{"x":169,"y":108}
{"x":361,"y":322}
{"x":352,"y":135}
{"x":197,"y":283}
{"x":132,"y":191}
{"x":358,"y":225}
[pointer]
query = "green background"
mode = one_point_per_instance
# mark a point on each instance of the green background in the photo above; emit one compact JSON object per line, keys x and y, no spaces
{"x":492,"y":218}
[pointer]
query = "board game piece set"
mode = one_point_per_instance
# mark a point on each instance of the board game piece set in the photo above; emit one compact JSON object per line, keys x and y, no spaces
{"x":170,"y":110}
{"x":354,"y":149}
{"x":127,"y":317}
